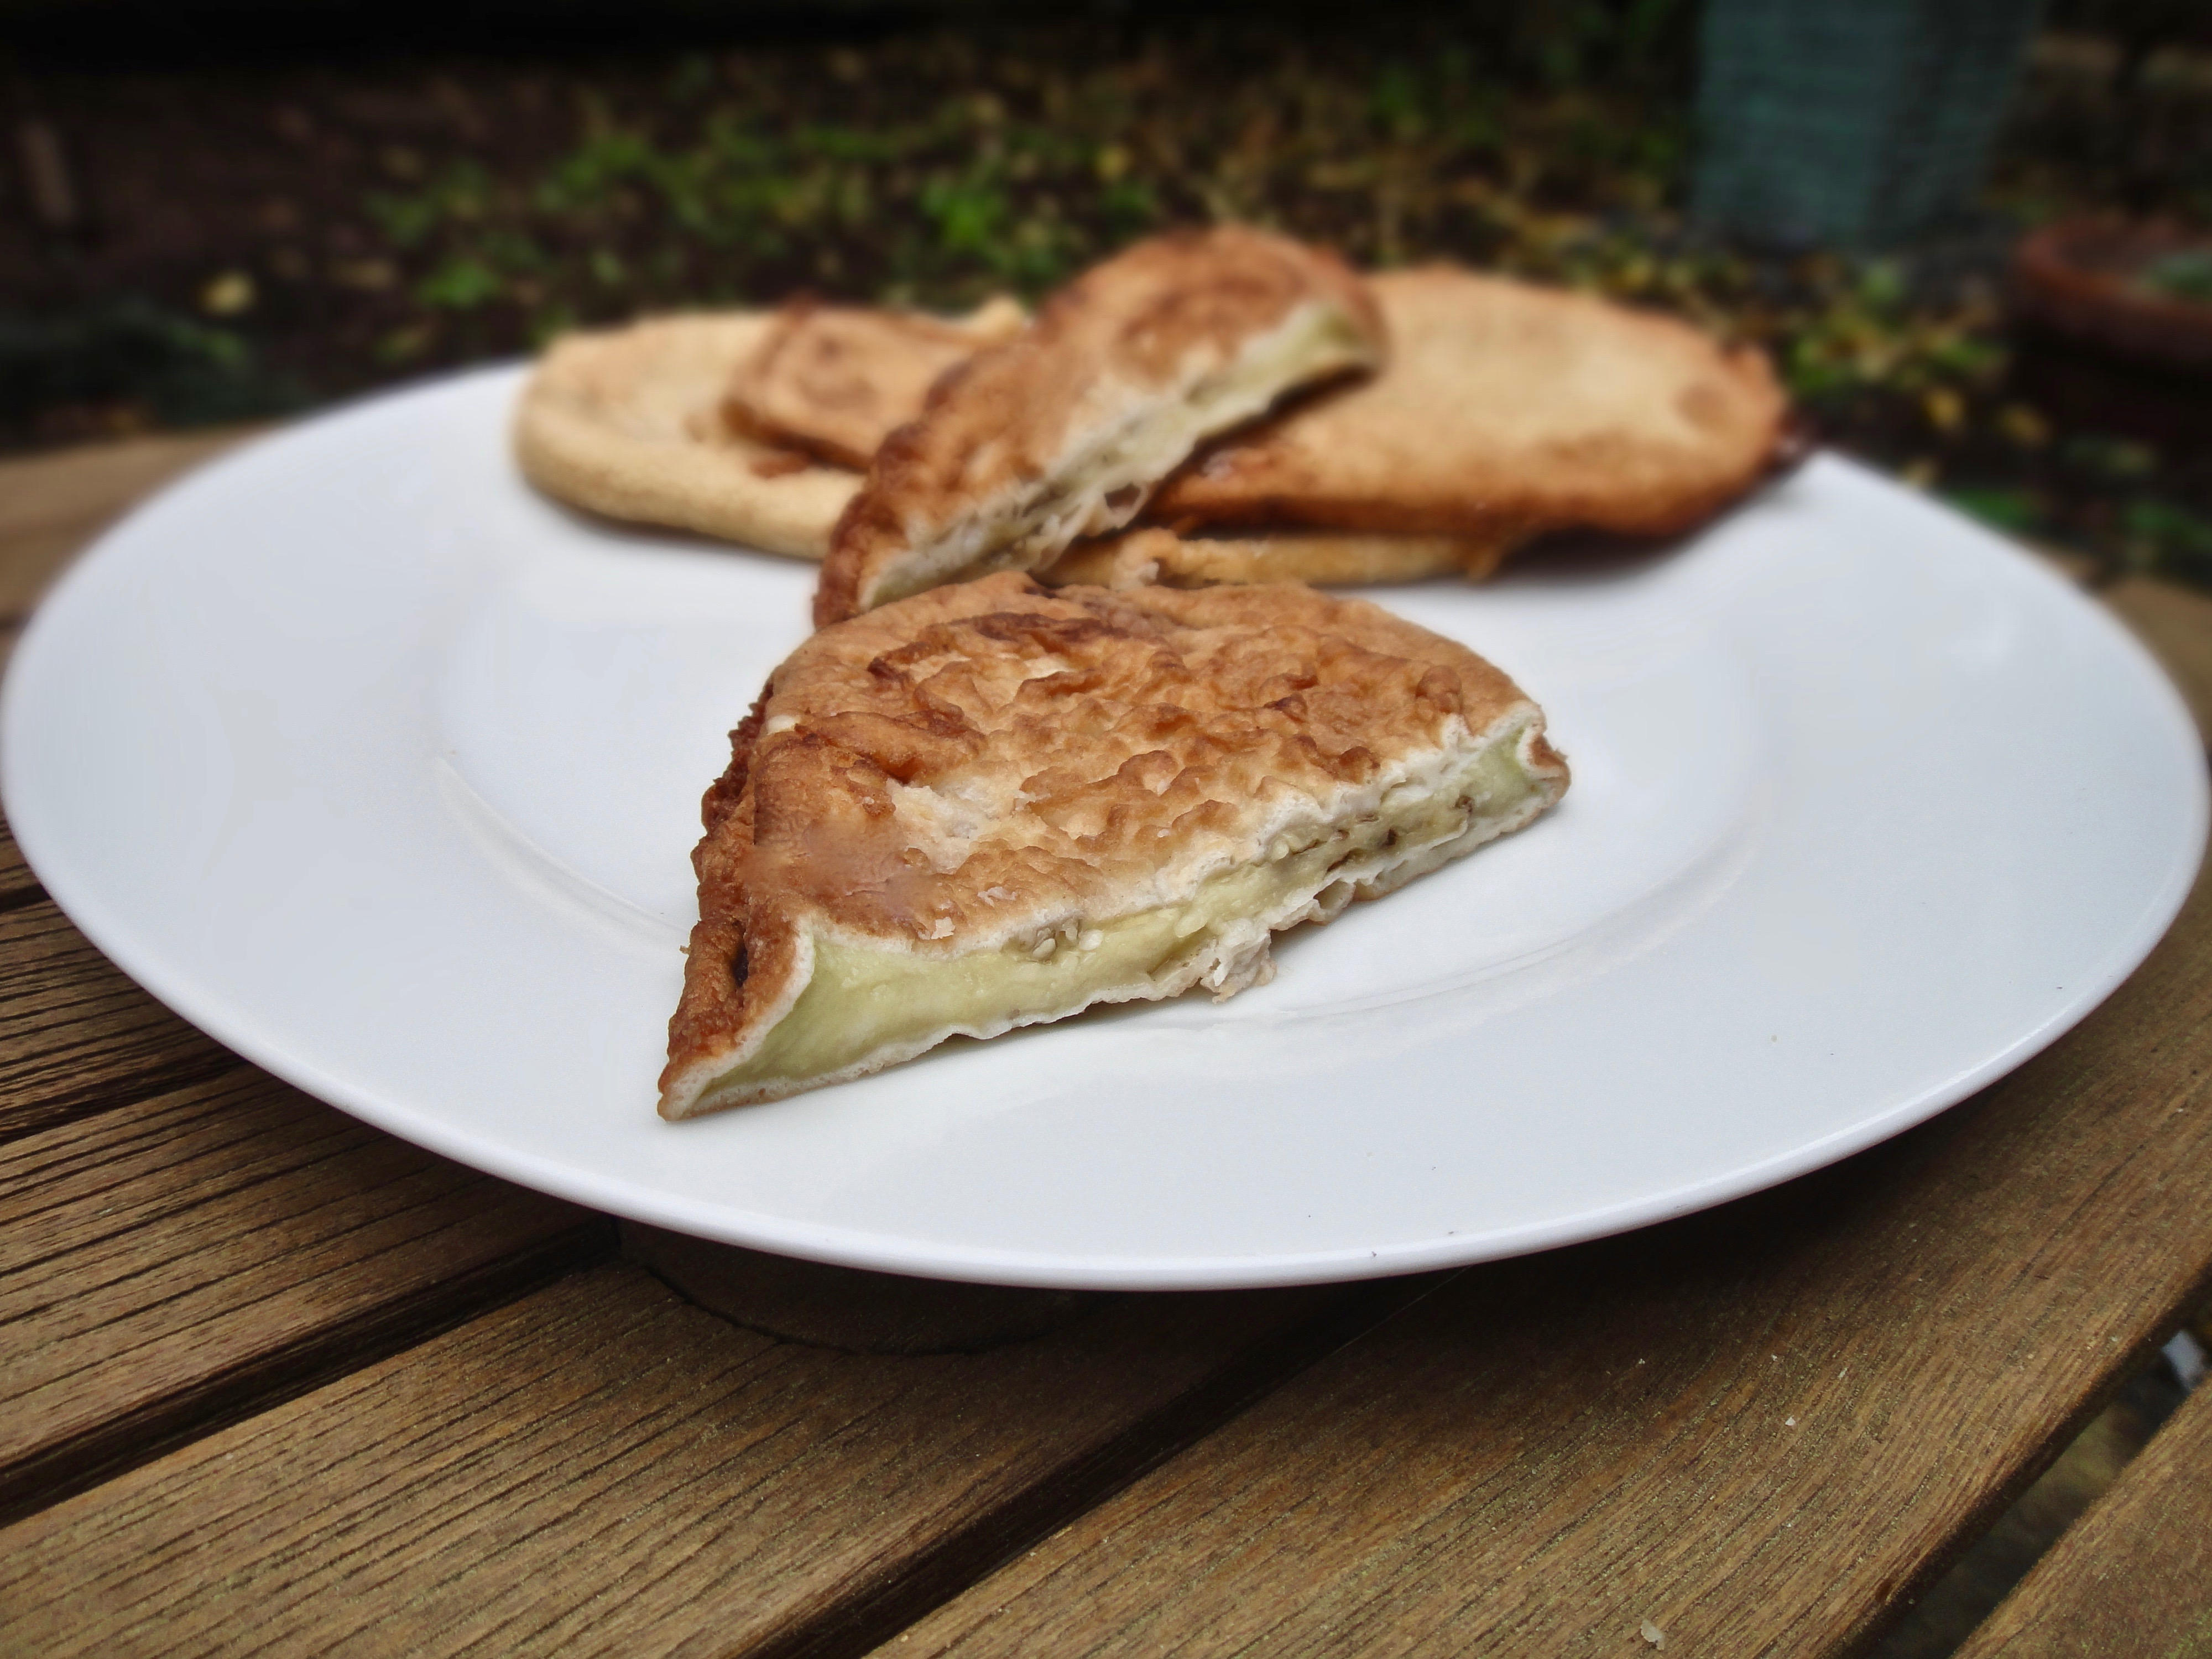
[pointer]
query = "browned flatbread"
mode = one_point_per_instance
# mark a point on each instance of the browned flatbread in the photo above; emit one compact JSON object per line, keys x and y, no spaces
{"x":1064,"y":430}
{"x":835,"y":380}
{"x":1506,"y":411}
{"x":626,"y":422}
{"x":988,"y":806}
{"x":1327,"y":558}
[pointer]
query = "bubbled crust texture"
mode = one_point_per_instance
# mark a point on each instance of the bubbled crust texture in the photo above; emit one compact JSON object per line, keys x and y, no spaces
{"x":957,"y":768}
{"x":1130,"y":329}
{"x":1506,"y":411}
{"x":836,"y":380}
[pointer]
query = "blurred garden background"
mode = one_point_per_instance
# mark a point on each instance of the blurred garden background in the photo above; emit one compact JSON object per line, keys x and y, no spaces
{"x":217,"y":216}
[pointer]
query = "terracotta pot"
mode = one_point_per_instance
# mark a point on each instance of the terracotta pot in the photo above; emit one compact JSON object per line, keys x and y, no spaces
{"x":2083,"y":277}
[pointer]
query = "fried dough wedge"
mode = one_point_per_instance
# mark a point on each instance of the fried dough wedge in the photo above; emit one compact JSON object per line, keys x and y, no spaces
{"x":627,"y":423}
{"x":990,"y":804}
{"x":1506,"y":411}
{"x":1064,"y":430}
{"x":835,"y":381}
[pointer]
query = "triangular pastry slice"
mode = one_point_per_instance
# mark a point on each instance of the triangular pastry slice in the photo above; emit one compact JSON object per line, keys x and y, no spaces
{"x":1064,"y":430}
{"x":1507,"y":409}
{"x":837,"y":380}
{"x":992,"y":805}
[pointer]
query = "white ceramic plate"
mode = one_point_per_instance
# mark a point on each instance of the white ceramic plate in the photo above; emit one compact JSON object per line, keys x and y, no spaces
{"x":385,"y":771}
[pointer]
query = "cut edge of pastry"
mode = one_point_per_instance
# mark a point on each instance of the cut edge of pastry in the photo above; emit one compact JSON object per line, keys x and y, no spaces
{"x":1323,"y":558}
{"x":850,"y":1004}
{"x":1151,"y":440}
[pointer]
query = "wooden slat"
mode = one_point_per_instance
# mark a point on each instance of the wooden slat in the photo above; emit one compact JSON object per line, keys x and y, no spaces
{"x":2133,"y":1576}
{"x":51,"y":505}
{"x":604,"y":1467}
{"x":18,"y":886}
{"x":75,"y":1035}
{"x":184,"y":1256}
{"x":1757,"y":1431}
{"x":2176,"y":623}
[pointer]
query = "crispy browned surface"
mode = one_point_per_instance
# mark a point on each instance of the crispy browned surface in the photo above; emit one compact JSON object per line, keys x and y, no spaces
{"x":627,"y":424}
{"x":1505,"y":409}
{"x":836,"y":380}
{"x":1078,"y":751}
{"x":1129,"y":334}
{"x":1327,"y":558}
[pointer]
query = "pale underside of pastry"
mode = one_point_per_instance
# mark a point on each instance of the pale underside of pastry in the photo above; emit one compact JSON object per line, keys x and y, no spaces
{"x":627,"y":423}
{"x":1065,"y":430}
{"x":1329,"y":558}
{"x":1506,"y":411}
{"x":836,"y":380}
{"x":992,"y":805}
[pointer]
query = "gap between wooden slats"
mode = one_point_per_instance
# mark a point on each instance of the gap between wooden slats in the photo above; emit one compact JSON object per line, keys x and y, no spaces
{"x":171,"y":1263}
{"x":75,"y":1035}
{"x":607,"y":1467}
{"x":1758,"y":1431}
{"x":2132,"y":1576}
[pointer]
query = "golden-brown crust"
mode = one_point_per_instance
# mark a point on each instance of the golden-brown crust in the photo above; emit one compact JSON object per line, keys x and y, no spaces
{"x":1134,"y":333}
{"x":625,"y":422}
{"x":1506,"y":409}
{"x":941,"y":773}
{"x":835,"y":381}
{"x":1323,"y":558}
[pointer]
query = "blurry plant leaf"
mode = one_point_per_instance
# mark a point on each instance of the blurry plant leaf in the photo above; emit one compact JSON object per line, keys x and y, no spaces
{"x":2015,"y":512}
{"x":2185,"y":274}
{"x":461,"y":284}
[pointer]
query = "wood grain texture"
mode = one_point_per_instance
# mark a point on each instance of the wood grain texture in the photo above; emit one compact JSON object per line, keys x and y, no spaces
{"x":200,"y":1251}
{"x":1758,"y":1430}
{"x":2133,"y":1576}
{"x":603,"y":1468}
{"x":51,"y":505}
{"x":18,"y":886}
{"x":2176,"y":623}
{"x":75,"y":1035}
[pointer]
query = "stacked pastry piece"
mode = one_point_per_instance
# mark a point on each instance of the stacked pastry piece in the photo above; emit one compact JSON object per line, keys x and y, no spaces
{"x":1506,"y":411}
{"x":1020,"y":768}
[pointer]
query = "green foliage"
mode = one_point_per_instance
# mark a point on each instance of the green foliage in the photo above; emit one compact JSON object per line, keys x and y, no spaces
{"x":131,"y":354}
{"x":2165,"y":538}
{"x":733,"y":185}
{"x":2015,"y":512}
{"x":461,"y":284}
{"x":2184,"y":275}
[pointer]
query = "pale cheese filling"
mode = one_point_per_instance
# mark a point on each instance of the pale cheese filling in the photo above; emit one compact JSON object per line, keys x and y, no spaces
{"x":1101,"y":486}
{"x":865,"y":1005}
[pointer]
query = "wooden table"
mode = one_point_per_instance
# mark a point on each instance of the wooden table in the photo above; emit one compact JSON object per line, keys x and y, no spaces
{"x":276,"y":1383}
